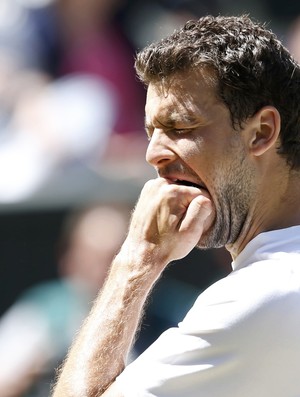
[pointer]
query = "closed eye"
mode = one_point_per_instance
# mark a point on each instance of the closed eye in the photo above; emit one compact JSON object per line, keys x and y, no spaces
{"x":181,"y":131}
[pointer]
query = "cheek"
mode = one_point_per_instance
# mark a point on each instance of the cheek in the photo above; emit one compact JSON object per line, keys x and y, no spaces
{"x":193,"y":150}
{"x":207,"y":160}
{"x":202,"y":162}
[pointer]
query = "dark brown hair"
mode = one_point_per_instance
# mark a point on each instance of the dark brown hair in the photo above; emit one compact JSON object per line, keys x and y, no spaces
{"x":252,"y":67}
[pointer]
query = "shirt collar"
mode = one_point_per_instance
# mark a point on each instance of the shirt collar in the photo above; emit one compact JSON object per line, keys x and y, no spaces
{"x":267,"y":243}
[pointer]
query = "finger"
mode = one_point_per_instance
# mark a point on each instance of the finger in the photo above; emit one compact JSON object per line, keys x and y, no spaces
{"x":196,"y":217}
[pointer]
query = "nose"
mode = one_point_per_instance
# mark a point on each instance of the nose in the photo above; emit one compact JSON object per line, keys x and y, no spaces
{"x":159,"y":152}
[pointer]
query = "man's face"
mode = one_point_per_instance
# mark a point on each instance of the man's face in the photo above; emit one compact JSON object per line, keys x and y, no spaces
{"x":192,"y":142}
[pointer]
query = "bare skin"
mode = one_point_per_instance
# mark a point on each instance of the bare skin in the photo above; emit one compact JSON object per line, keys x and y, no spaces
{"x":215,"y":187}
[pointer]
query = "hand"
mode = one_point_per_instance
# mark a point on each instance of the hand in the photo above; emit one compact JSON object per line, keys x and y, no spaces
{"x":169,"y":220}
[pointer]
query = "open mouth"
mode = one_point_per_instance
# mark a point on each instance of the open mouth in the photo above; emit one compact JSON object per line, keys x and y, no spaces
{"x":188,"y":183}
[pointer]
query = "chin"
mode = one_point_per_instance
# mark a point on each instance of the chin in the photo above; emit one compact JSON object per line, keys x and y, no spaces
{"x":209,"y":240}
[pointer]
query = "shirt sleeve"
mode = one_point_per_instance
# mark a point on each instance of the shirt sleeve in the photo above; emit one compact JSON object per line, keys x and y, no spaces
{"x":233,"y":342}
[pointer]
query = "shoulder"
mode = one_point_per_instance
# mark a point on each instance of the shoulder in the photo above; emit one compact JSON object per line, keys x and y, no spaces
{"x":251,"y":298}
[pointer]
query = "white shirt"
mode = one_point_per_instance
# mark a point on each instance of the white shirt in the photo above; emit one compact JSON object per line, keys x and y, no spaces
{"x":240,"y":339}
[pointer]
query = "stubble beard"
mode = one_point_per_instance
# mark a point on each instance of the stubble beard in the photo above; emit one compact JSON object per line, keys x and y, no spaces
{"x":234,"y":198}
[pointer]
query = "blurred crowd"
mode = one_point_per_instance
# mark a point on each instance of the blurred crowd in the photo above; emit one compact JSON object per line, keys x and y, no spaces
{"x":66,"y":87}
{"x":37,"y":330}
{"x":69,"y":98}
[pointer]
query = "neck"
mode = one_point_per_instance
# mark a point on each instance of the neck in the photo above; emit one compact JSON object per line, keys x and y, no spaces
{"x":276,"y":207}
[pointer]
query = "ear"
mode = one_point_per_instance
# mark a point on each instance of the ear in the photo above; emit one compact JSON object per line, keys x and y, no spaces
{"x":265,"y":132}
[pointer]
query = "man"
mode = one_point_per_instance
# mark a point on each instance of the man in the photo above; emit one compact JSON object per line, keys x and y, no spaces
{"x":222,"y":116}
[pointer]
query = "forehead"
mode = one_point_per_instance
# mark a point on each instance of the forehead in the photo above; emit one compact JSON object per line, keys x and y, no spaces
{"x":183,"y":96}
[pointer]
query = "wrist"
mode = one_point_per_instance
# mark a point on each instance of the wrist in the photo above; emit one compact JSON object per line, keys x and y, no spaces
{"x":142,"y":260}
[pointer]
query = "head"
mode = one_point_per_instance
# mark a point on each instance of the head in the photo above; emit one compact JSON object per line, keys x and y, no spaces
{"x":223,"y":108}
{"x":250,"y":67}
{"x":90,"y":239}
